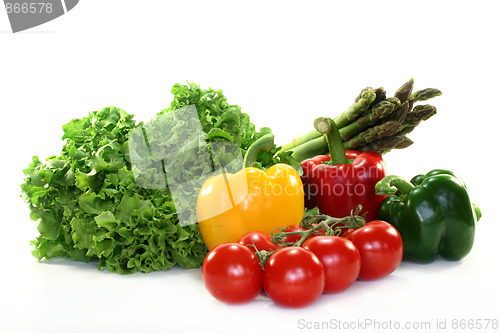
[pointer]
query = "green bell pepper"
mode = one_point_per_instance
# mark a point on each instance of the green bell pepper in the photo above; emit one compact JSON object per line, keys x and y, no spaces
{"x":433,"y":213}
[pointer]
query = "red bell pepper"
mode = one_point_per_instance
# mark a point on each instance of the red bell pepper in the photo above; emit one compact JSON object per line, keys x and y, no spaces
{"x":339,"y":182}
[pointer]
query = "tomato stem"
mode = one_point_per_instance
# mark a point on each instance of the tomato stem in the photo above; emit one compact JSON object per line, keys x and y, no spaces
{"x":263,"y":255}
{"x":313,"y":223}
{"x":332,"y":226}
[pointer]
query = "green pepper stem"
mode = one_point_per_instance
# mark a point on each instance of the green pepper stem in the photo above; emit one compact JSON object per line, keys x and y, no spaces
{"x":327,"y":126}
{"x":265,"y":143}
{"x":386,"y":185}
{"x":477,"y":211}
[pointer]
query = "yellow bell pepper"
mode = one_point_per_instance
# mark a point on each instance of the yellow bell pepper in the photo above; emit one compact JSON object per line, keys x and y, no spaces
{"x":230,"y":205}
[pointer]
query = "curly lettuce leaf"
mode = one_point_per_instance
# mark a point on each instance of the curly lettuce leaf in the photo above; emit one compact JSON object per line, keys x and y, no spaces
{"x":89,"y":208}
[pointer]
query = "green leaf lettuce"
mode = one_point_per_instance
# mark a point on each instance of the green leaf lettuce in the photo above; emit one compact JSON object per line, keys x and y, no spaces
{"x":89,"y":206}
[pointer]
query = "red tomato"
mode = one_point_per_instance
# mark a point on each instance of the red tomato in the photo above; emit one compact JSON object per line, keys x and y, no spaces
{"x":293,"y":277}
{"x":346,"y":232}
{"x":381,"y":249}
{"x":232,"y":273}
{"x":340,"y":258}
{"x":261,"y":240}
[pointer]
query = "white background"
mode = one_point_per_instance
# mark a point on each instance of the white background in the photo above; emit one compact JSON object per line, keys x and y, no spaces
{"x":285,"y":63}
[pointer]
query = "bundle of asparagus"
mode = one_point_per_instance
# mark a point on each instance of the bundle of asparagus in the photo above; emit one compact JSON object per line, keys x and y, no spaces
{"x":374,"y":122}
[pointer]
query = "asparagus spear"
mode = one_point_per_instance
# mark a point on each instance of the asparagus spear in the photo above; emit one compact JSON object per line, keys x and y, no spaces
{"x":404,"y":91}
{"x":360,"y":93}
{"x":317,"y":146}
{"x":385,"y":145}
{"x":379,"y":93}
{"x":377,"y":132}
{"x":404,"y":143}
{"x":395,"y":101}
{"x":416,"y":116}
{"x":423,"y":95}
{"x":356,"y":109}
{"x":297,"y":142}
{"x":381,"y":110}
{"x":399,"y":114}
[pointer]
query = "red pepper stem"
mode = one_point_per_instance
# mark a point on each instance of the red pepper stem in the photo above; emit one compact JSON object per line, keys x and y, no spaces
{"x":265,"y":143}
{"x":390,"y":184}
{"x":327,"y":126}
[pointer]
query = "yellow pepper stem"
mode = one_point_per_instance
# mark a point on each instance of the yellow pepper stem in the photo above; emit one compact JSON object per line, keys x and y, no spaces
{"x":265,"y":143}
